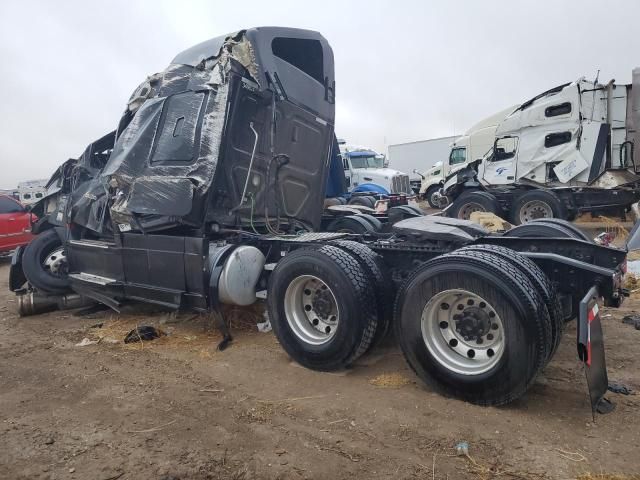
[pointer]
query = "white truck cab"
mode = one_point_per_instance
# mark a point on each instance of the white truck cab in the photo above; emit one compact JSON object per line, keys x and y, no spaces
{"x":363,"y":165}
{"x":471,"y":146}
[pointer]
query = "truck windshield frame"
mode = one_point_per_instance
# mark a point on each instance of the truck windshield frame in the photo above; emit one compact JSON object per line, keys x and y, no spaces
{"x":366,"y":161}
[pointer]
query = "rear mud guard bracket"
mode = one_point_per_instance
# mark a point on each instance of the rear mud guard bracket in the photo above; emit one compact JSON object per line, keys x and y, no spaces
{"x":591,"y":352}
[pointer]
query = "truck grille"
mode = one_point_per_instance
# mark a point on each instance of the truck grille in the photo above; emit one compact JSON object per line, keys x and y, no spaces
{"x":400,"y":184}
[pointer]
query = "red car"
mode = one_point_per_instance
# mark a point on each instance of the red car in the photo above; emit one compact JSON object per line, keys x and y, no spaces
{"x":15,"y":225}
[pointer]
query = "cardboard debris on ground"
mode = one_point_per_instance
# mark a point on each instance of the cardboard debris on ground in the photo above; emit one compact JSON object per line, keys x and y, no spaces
{"x":491,"y":221}
{"x":390,"y":380}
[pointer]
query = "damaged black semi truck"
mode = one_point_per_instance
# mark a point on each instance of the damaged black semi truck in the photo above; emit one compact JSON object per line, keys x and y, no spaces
{"x":210,"y":192}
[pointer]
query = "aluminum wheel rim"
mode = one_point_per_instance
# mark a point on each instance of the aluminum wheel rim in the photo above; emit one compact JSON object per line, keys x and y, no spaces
{"x":56,"y":262}
{"x":311,"y":310}
{"x":468,"y":209}
{"x":535,"y":209}
{"x":446,"y":322}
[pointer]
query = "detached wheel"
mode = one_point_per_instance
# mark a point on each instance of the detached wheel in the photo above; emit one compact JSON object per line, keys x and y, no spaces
{"x":473,"y":326}
{"x":428,"y":195}
{"x":473,"y":201}
{"x":322,"y":307}
{"x":45,"y":265}
{"x":537,"y":204}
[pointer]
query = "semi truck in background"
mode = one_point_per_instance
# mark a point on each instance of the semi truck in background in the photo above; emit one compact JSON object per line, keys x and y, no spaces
{"x":462,"y":150}
{"x":566,"y":151}
{"x":364,"y":166}
{"x":415,"y":157}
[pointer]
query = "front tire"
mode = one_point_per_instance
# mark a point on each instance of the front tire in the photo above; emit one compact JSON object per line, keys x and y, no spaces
{"x":428,"y":195}
{"x":44,"y":263}
{"x":322,"y":307}
{"x":473,"y":201}
{"x":451,"y":302}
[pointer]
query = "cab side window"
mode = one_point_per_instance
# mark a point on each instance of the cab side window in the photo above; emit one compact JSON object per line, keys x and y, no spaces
{"x":457,"y":156}
{"x":505,"y":148}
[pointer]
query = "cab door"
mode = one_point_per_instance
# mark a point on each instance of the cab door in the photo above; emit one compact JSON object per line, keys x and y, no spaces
{"x":500,"y":167}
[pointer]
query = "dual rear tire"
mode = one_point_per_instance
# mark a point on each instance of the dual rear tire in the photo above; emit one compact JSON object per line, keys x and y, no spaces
{"x":478,"y":323}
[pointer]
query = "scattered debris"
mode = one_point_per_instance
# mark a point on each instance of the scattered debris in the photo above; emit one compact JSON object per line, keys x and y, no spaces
{"x":265,"y":326}
{"x":85,"y":341}
{"x":154,"y":429}
{"x":212,"y":390}
{"x":462,"y":448}
{"x":390,"y":380}
{"x":632,"y":320}
{"x":620,"y":388}
{"x":144,"y":332}
{"x":573,"y":456}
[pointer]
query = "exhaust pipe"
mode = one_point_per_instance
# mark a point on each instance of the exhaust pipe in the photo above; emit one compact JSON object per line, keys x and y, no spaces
{"x":32,"y":303}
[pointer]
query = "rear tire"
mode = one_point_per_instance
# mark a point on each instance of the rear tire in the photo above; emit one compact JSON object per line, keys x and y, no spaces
{"x":547,"y":228}
{"x":375,"y":269}
{"x":494,"y":293}
{"x":351,"y":224}
{"x":309,"y":285}
{"x":44,"y":263}
{"x":540,"y":281}
{"x":363,"y":200}
{"x":577,"y":233}
{"x":537,"y":204}
{"x":473,"y":201}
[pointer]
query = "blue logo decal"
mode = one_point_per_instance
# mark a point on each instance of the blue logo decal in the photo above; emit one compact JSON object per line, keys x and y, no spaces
{"x":501,"y":170}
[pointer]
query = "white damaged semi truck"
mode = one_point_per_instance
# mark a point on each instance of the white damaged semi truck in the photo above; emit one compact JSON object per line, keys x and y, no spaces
{"x":566,"y":151}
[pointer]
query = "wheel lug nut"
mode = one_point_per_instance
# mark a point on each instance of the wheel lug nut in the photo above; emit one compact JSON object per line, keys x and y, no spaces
{"x":453,"y":342}
{"x":471,"y":353}
{"x":492,"y":314}
{"x":479,"y":341}
{"x":444,"y":306}
{"x":490,"y":336}
{"x":460,"y":307}
{"x":444,"y":325}
{"x":469,"y":302}
{"x":494,"y":326}
{"x":482,"y":305}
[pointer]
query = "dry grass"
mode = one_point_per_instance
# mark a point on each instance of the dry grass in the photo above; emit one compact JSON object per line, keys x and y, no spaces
{"x":191,"y":332}
{"x":390,"y":380}
{"x":606,"y":476}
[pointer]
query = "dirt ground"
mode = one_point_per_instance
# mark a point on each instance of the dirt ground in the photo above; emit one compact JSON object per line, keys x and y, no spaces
{"x":175,"y":408}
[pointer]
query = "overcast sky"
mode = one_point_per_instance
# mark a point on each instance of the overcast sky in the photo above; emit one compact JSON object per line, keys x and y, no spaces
{"x":405,"y":70}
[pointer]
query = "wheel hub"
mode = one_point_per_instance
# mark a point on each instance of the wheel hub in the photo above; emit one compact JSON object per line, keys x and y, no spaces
{"x":462,"y":331}
{"x":535,"y":209}
{"x":473,"y":323}
{"x":322,"y":302}
{"x":56,"y":262}
{"x":311,"y":310}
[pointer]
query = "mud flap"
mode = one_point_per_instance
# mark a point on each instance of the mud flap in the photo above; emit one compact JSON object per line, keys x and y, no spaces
{"x":591,"y":352}
{"x":16,"y":275}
